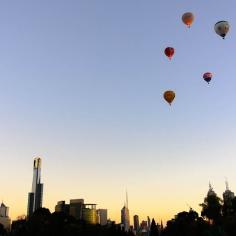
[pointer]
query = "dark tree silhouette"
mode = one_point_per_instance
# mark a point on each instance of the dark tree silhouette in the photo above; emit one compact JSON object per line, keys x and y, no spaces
{"x":2,"y":230}
{"x":43,"y":223}
{"x":19,"y":228}
{"x":185,"y":224}
{"x":212,"y":208}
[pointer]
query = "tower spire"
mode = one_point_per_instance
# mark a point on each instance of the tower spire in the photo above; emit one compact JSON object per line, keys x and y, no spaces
{"x":226,"y":184}
{"x":210,"y":187}
{"x":161,"y":226}
{"x":126,"y":198}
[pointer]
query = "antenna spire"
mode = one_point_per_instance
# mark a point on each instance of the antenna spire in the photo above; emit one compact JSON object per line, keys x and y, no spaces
{"x":226,"y":184}
{"x":210,"y":187}
{"x":126,"y":198}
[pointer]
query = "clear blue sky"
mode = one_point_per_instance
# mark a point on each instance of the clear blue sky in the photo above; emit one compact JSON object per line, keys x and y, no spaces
{"x":81,"y":85}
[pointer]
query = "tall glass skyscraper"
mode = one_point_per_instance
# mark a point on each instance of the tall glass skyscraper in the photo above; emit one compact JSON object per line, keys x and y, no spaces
{"x":125,"y":220}
{"x":35,"y":197}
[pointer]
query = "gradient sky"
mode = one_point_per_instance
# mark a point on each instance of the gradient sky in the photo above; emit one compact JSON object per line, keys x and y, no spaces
{"x":81,"y":86}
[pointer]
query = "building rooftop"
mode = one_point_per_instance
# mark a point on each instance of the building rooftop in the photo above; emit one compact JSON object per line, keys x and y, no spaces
{"x":3,"y":205}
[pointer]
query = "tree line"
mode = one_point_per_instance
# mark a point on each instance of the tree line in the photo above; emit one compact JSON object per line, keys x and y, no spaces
{"x":218,"y":218}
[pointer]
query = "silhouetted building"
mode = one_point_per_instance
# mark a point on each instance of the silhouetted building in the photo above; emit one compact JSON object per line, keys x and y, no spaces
{"x":149,"y":223}
{"x":102,"y":216}
{"x":125,"y":220}
{"x":4,"y":218}
{"x":36,"y":196}
{"x":211,"y":191}
{"x":81,"y":211}
{"x":62,"y":207}
{"x":228,"y":195}
{"x":76,"y":206}
{"x":144,"y":228}
{"x":161,"y":226}
{"x":136,"y":223}
{"x":110,"y":222}
{"x":89,"y":213}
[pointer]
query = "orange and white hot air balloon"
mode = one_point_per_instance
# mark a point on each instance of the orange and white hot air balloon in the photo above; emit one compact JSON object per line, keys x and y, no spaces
{"x":188,"y":18}
{"x":169,"y":96}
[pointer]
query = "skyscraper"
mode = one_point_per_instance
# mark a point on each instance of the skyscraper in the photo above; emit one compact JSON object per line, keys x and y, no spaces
{"x":228,"y":197}
{"x":144,"y":228}
{"x":211,"y":191}
{"x":36,"y":195}
{"x":62,"y":207}
{"x":89,"y":213}
{"x":75,"y":208}
{"x":125,"y":221}
{"x":4,"y":218}
{"x":149,"y":223}
{"x":102,"y":216}
{"x":136,"y":223}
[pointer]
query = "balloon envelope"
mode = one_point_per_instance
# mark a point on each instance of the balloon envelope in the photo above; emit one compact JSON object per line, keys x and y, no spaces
{"x":222,"y":28}
{"x":188,"y":18}
{"x":169,"y":52}
{"x":169,"y":96}
{"x":207,"y":77}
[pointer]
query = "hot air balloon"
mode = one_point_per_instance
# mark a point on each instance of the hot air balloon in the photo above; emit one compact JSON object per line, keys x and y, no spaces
{"x":188,"y":18}
{"x":207,"y":77}
{"x":169,"y":96}
{"x":169,"y":51}
{"x":222,"y":28}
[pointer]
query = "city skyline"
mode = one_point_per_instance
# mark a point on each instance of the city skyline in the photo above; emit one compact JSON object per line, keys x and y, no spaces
{"x":81,"y":86}
{"x":227,"y":195}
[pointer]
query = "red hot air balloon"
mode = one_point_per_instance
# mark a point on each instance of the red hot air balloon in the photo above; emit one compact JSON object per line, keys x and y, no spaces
{"x":207,"y":77}
{"x":169,"y":52}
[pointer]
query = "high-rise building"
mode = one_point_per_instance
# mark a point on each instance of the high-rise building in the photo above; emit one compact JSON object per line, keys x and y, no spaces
{"x":76,"y":206}
{"x":149,"y":223}
{"x":36,"y":195}
{"x":4,"y":218}
{"x":211,"y":191}
{"x":136,"y":223}
{"x":125,"y":220}
{"x":62,"y":207}
{"x":81,"y":211}
{"x":161,"y":226}
{"x":144,"y":228}
{"x":228,"y":195}
{"x":89,"y":213}
{"x":102,"y":216}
